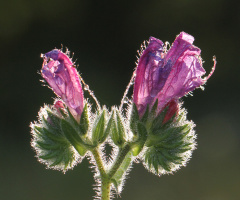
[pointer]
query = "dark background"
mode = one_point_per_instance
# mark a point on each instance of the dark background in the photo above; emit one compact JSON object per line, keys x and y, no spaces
{"x":105,"y":37}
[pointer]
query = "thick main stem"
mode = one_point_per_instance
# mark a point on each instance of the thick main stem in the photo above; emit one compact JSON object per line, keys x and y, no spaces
{"x":105,"y":182}
{"x":105,"y":189}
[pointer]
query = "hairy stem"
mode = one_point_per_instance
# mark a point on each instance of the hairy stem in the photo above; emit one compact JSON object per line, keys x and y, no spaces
{"x":105,"y":189}
{"x":107,"y":176}
{"x":99,"y":163}
{"x":121,"y":156}
{"x":105,"y":182}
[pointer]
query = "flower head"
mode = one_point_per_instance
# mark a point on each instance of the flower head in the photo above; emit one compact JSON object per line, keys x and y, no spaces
{"x":60,"y":73}
{"x":167,"y":76}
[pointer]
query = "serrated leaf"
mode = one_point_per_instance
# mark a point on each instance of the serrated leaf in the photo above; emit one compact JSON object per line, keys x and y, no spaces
{"x":48,"y":146}
{"x":50,"y":143}
{"x":170,"y":145}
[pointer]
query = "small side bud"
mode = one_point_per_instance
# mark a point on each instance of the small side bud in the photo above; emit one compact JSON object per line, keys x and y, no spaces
{"x":99,"y":125}
{"x":118,"y":129}
{"x":173,"y":109}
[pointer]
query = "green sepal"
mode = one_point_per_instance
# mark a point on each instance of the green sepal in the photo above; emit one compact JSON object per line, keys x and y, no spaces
{"x":51,"y":146}
{"x":153,"y":111}
{"x":73,"y":121}
{"x":117,"y":129}
{"x":169,"y":145}
{"x":107,"y":130}
{"x":82,"y":127}
{"x":54,"y":118}
{"x":73,"y":137}
{"x":119,"y":176}
{"x":134,"y":119}
{"x":145,"y":115}
{"x":157,"y":122}
{"x":98,"y":129}
{"x":138,"y":145}
{"x":48,"y":133}
{"x":84,"y":120}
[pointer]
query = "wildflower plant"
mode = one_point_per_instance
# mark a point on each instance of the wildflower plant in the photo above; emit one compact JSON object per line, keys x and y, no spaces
{"x":150,"y":127}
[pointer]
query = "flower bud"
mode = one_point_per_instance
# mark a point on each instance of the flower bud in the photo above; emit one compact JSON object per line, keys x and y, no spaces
{"x":58,"y":104}
{"x":167,"y":76}
{"x":173,"y":109}
{"x":60,"y":73}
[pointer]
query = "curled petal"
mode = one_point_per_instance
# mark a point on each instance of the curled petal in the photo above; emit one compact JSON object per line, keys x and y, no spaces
{"x":60,"y":73}
{"x":168,"y":76}
{"x":147,"y":82}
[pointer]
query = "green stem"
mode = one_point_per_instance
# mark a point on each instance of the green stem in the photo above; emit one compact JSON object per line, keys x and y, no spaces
{"x":106,"y":177}
{"x":105,"y":189}
{"x":121,"y":155}
{"x":105,"y":182}
{"x":99,"y":163}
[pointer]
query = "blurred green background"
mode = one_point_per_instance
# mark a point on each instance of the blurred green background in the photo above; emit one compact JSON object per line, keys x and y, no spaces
{"x":105,"y":37}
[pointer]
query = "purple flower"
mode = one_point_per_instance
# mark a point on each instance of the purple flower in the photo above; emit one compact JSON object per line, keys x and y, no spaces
{"x":167,"y":76}
{"x":60,"y":73}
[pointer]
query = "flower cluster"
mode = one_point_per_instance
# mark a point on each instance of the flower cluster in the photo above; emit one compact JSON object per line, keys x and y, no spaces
{"x":154,"y":129}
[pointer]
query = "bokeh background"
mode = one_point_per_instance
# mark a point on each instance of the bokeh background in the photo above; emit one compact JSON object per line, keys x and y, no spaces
{"x":105,"y":37}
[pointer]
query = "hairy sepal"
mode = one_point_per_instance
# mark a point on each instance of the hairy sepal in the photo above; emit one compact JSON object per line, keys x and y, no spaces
{"x":73,"y":137}
{"x":100,"y":129}
{"x":138,"y":128}
{"x":118,"y":130}
{"x":50,"y":143}
{"x":82,"y":126}
{"x":169,"y":145}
